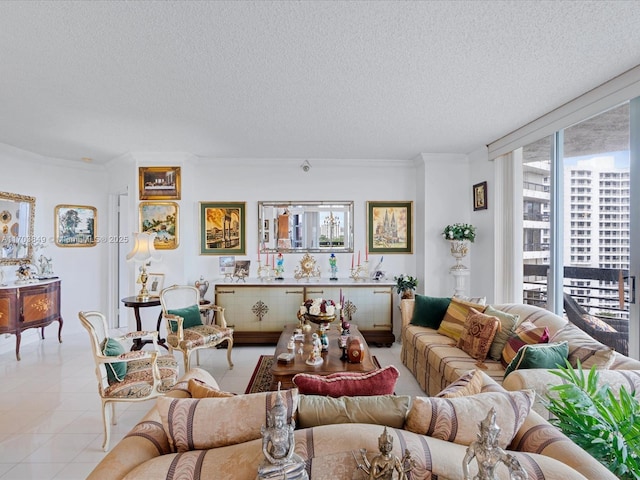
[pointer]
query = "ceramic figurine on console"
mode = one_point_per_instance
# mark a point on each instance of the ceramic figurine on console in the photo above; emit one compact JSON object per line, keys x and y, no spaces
{"x":202,"y":285}
{"x":333,"y":265}
{"x":279,"y":267}
{"x":45,"y":267}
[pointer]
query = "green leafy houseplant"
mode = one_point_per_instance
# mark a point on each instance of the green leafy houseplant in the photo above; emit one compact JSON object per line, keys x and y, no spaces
{"x":405,"y":285}
{"x":605,"y":426}
{"x":459,"y":231}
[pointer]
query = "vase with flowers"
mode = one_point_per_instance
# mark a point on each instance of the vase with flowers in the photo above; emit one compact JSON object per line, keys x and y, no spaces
{"x":459,"y":235}
{"x":319,"y":311}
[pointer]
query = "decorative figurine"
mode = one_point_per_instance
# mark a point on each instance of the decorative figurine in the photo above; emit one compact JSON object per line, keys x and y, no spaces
{"x":45,"y":268}
{"x":202,"y":285}
{"x":384,"y":466}
{"x":333,"y":265}
{"x":278,"y":443}
{"x":307,"y":268}
{"x":279,"y":268}
{"x":315,"y":358}
{"x":487,"y":453}
{"x":324,"y":340}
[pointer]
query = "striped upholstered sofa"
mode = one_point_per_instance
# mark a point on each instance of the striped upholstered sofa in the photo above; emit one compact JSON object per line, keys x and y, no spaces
{"x":210,"y":438}
{"x":436,"y":361}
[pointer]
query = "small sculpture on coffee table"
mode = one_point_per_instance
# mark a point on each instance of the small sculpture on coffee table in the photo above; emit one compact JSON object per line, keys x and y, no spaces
{"x":488,"y":454}
{"x":278,"y":443}
{"x":385,"y":466}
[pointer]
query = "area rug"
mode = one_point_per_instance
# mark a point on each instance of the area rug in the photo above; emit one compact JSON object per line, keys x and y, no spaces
{"x":261,"y":377}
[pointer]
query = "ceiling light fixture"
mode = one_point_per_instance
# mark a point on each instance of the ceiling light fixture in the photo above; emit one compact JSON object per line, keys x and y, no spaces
{"x":306,"y":166}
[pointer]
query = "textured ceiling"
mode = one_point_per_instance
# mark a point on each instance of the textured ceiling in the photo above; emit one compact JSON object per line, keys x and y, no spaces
{"x":305,"y":79}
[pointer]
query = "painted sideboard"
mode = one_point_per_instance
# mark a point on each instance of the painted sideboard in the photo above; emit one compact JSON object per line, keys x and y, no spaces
{"x":258,"y":311}
{"x":31,"y":305}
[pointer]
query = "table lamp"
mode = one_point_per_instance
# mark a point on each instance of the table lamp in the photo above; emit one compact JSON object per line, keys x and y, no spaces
{"x":143,"y":251}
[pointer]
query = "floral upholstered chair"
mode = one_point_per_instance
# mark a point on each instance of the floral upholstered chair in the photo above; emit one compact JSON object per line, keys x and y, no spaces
{"x":136,"y":375}
{"x":186,"y":332}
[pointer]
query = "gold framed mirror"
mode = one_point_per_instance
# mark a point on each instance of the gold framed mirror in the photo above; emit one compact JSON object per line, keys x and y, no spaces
{"x":17,"y":214}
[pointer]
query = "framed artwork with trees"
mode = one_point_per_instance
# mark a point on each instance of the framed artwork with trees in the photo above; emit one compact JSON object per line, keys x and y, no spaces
{"x":75,"y":226}
{"x":161,"y":218}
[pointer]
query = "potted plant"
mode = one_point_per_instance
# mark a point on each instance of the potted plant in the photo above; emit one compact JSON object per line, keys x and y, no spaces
{"x":606,"y":426}
{"x":405,"y":285}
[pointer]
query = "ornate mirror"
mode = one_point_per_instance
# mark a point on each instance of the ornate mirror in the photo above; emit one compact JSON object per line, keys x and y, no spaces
{"x":16,"y":228}
{"x":306,"y":226}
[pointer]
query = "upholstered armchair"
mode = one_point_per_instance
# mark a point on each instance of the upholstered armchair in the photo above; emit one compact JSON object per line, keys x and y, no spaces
{"x":136,"y":375}
{"x":186,"y":332}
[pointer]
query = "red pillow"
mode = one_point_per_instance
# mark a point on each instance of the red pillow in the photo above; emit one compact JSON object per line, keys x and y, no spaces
{"x":376,"y":382}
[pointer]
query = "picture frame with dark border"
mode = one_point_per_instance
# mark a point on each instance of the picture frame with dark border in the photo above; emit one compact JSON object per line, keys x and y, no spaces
{"x":75,"y":225}
{"x":390,"y":227}
{"x":155,"y":284}
{"x":161,"y":218}
{"x":223,"y":228}
{"x":159,"y":183}
{"x":480,"y":196}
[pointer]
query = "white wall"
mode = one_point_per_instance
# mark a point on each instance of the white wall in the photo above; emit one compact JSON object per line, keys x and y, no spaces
{"x":82,"y":270}
{"x":438,"y":184}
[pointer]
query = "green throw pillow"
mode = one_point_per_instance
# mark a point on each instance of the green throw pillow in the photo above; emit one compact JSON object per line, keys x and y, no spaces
{"x":429,"y":311}
{"x":541,"y":355}
{"x":116,"y":371}
{"x":191,"y":316}
{"x":508,"y":324}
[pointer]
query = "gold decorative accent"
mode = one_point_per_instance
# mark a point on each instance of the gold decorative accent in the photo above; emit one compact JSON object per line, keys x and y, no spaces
{"x":307,"y":268}
{"x":42,"y":305}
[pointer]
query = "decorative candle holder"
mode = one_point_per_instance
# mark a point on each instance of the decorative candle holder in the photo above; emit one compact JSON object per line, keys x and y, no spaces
{"x":264,"y":272}
{"x":360,"y":272}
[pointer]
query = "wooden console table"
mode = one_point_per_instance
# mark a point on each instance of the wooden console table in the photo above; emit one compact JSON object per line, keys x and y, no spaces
{"x":31,"y":305}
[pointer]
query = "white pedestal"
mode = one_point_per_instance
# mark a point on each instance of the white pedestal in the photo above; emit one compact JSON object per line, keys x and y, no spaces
{"x":460,"y":275}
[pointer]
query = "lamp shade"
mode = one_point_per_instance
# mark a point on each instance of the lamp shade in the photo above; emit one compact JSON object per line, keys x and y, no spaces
{"x":143,"y":248}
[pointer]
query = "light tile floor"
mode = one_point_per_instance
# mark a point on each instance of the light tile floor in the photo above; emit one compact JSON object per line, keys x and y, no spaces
{"x":50,"y":419}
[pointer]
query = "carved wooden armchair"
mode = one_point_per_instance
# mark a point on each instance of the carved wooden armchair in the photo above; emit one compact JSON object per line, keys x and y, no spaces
{"x":186,"y":333}
{"x":136,"y":376}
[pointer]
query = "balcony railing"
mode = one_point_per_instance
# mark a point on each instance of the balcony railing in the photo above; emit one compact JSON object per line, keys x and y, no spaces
{"x":536,"y":217}
{"x":536,"y":247}
{"x":535,"y":186}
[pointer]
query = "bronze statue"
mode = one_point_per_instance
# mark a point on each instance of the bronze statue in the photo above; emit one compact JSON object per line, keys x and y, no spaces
{"x":488,"y":454}
{"x":278,"y":443}
{"x":383,"y":466}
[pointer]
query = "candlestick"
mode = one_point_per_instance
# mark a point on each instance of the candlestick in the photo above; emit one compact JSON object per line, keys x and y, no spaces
{"x":366,"y":253}
{"x":352,"y":261}
{"x":358,"y":257}
{"x":258,"y":252}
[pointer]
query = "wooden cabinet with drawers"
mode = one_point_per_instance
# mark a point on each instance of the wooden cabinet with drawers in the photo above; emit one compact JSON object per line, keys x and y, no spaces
{"x":258,"y":311}
{"x":33,"y":305}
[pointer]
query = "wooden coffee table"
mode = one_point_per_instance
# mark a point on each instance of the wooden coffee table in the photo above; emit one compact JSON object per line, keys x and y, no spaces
{"x":284,"y":372}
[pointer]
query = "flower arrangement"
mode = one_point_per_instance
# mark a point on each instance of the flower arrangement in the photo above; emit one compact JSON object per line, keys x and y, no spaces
{"x":319,"y":306}
{"x":459,"y":231}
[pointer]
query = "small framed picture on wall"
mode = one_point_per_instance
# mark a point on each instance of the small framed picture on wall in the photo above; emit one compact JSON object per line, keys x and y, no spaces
{"x":480,"y":196}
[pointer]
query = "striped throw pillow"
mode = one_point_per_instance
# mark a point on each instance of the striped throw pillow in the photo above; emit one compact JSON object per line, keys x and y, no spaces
{"x":526,"y":334}
{"x":456,"y":316}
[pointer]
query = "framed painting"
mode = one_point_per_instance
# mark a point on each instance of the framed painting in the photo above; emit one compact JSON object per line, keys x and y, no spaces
{"x":162,"y":219}
{"x":155,"y":284}
{"x":159,"y":183}
{"x":222,"y":228}
{"x":480,"y":196}
{"x":75,"y":225}
{"x":390,"y":227}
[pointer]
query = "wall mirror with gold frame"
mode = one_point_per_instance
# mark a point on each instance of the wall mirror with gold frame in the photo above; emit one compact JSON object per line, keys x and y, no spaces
{"x":305,"y":226}
{"x":16,"y":228}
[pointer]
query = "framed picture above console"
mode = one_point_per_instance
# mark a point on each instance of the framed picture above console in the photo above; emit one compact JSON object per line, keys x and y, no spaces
{"x":161,"y":218}
{"x":390,"y":227}
{"x":222,"y":228}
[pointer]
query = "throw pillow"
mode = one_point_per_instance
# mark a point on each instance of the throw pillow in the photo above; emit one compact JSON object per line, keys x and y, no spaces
{"x":200,"y":389}
{"x":389,"y":410}
{"x":456,"y":419}
{"x":116,"y":371}
{"x":542,"y":355}
{"x":584,"y":348}
{"x":597,"y":323}
{"x":191,"y":316}
{"x":526,"y":334}
{"x":468,"y":384}
{"x":204,"y":423}
{"x":456,"y":316}
{"x":377,"y":382}
{"x":477,"y":334}
{"x":478,"y":300}
{"x":508,"y":324}
{"x":429,"y":311}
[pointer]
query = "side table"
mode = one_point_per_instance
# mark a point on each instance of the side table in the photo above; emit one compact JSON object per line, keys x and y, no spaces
{"x":136,"y":303}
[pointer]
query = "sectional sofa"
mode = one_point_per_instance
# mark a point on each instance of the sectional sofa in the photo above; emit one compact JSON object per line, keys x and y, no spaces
{"x":182,"y":437}
{"x":436,"y":361}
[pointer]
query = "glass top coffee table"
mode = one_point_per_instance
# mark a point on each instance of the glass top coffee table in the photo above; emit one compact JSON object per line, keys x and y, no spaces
{"x":332,"y":361}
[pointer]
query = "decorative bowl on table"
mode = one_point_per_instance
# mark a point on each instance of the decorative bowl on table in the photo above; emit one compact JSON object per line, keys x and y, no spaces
{"x":318,"y":311}
{"x":319,"y":319}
